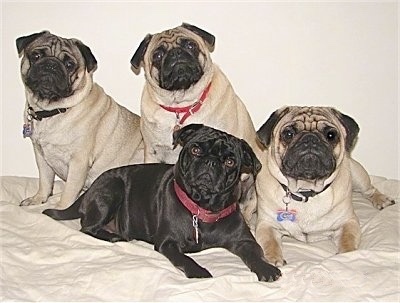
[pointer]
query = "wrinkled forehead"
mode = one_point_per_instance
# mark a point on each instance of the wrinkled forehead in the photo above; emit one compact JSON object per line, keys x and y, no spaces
{"x":172,"y":37}
{"x":214,"y":140}
{"x":311,"y":118}
{"x":53,"y":45}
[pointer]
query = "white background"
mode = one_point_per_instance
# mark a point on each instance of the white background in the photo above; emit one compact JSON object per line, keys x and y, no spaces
{"x":340,"y":54}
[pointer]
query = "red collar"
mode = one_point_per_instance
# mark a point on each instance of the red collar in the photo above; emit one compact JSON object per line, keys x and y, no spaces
{"x":203,"y":214}
{"x":188,"y":110}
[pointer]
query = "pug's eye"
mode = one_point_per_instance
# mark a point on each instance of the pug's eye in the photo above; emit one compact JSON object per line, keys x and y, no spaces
{"x":158,"y":54}
{"x":229,"y":162}
{"x":35,"y":56}
{"x":189,"y":44}
{"x":70,"y":65}
{"x":288,"y":134}
{"x":331,"y":135}
{"x":196,"y":151}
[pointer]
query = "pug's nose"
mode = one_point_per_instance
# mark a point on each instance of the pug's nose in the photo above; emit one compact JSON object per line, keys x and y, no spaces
{"x":176,"y":53}
{"x":211,"y":162}
{"x":50,"y":66}
{"x":310,"y":140}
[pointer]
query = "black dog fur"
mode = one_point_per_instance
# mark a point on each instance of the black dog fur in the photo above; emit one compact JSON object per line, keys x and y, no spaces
{"x":139,"y":202}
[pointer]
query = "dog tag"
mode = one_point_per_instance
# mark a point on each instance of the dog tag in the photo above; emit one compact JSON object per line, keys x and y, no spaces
{"x":195,"y":224}
{"x":27,"y":130}
{"x":177,"y":123}
{"x":286,"y":215}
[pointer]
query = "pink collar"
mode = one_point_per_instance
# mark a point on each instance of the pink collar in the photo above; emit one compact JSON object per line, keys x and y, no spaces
{"x":188,"y":110}
{"x":203,"y":214}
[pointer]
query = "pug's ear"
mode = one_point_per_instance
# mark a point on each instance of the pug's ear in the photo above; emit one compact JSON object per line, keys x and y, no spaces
{"x":23,"y":42}
{"x":90,"y":60}
{"x":250,"y":162}
{"x":138,"y":56}
{"x":264,"y":134}
{"x":208,"y":38}
{"x":352,"y":129}
{"x":183,"y":135}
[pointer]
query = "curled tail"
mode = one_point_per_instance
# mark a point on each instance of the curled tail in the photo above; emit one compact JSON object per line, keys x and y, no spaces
{"x":69,"y":213}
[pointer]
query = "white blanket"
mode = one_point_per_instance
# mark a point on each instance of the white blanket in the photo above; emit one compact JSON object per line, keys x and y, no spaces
{"x":47,"y":260}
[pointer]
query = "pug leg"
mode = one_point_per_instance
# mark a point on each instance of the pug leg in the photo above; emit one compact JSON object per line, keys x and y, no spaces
{"x":99,"y":206}
{"x":271,"y":243}
{"x":248,"y":200}
{"x":77,"y":174}
{"x":181,"y":261}
{"x":252,"y":255}
{"x":46,"y":181}
{"x":248,"y":209}
{"x":149,"y":156}
{"x":362,"y":184}
{"x":348,"y":236}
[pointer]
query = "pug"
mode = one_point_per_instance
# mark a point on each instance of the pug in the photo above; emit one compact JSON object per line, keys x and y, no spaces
{"x":76,"y":129}
{"x":181,"y":208}
{"x":184,"y":86}
{"x":309,"y":177}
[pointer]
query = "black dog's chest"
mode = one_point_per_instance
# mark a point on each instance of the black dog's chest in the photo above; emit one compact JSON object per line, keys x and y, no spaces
{"x":208,"y":235}
{"x":196,"y":239}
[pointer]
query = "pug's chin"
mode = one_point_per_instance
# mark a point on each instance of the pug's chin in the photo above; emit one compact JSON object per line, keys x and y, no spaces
{"x":295,"y":185}
{"x":201,"y":193}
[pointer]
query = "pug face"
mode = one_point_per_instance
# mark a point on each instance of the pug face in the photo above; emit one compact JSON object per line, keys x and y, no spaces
{"x":211,"y":163}
{"x":308,"y":144}
{"x":176,"y":64}
{"x":53,"y":68}
{"x":175,"y":59}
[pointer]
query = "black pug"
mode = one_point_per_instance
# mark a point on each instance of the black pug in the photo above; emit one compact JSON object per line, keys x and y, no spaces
{"x":181,"y":208}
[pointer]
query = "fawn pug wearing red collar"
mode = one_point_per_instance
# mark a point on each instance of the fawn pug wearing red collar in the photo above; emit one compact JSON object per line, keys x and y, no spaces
{"x":77,"y":130}
{"x":308,"y":180}
{"x":181,"y":208}
{"x":184,"y":86}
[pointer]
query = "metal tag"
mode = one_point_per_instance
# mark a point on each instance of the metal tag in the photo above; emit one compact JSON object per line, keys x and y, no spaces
{"x":27,"y":130}
{"x":195,"y":224}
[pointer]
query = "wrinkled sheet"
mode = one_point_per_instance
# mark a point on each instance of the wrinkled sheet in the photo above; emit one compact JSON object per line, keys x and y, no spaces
{"x":47,"y":260}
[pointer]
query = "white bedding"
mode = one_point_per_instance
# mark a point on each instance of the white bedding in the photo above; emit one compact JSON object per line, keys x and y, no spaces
{"x":46,"y":260}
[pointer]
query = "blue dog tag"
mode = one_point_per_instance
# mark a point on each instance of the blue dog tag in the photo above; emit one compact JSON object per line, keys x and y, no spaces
{"x":27,"y":130}
{"x":286,"y":215}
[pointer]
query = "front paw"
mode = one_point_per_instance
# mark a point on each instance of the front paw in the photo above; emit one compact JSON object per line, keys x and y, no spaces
{"x":35,"y":200}
{"x":197,"y":272}
{"x":380,"y":201}
{"x":273,"y":255}
{"x":267,"y":272}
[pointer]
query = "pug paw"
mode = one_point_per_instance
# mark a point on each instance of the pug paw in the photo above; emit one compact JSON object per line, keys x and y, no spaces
{"x":275,"y":259}
{"x":197,"y":272}
{"x":35,"y":200}
{"x":380,"y":201}
{"x":267,"y":272}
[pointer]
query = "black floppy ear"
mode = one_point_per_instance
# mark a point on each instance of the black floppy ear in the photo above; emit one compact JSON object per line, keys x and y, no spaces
{"x":251,"y":164}
{"x":24,"y":41}
{"x":138,"y":56}
{"x":183,"y":135}
{"x":352,"y":129}
{"x":264,"y":134}
{"x":207,"y":37}
{"x":90,"y":60}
